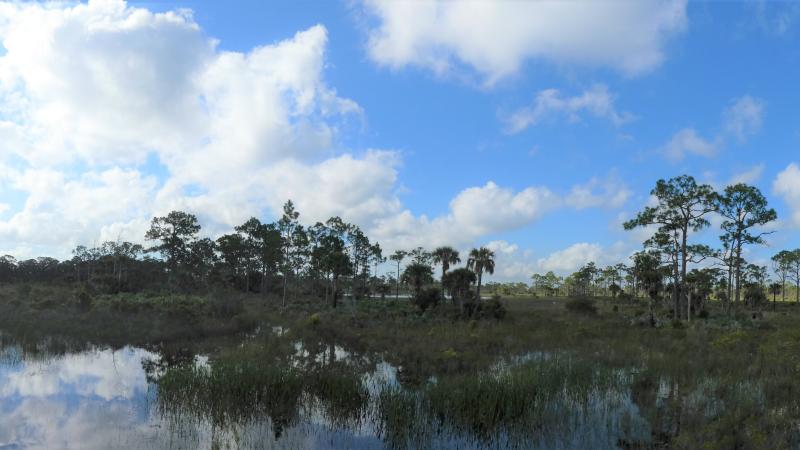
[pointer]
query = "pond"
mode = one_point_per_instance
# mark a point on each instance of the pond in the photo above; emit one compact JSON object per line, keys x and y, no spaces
{"x":302,"y":396}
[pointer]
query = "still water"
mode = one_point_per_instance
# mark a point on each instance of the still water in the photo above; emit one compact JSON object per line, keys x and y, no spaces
{"x":102,"y":398}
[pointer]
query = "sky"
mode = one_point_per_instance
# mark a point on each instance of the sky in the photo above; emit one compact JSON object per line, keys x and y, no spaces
{"x":533,"y":128}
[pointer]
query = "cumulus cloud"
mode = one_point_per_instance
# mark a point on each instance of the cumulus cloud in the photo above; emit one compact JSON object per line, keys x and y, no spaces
{"x":473,"y":213}
{"x":112,"y":114}
{"x":94,"y":93}
{"x":572,"y":257}
{"x":551,"y":103}
{"x":496,"y":38}
{"x":787,"y":185}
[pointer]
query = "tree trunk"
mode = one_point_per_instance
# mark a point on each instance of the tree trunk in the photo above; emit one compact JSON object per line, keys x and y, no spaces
{"x":738,"y":272}
{"x":397,"y":283}
{"x":478,"y":288}
{"x":783,"y":290}
{"x":285,"y":279}
{"x":730,"y":285}
{"x":689,"y":307}
{"x":335,"y":291}
{"x":684,"y":258}
{"x":675,"y":297}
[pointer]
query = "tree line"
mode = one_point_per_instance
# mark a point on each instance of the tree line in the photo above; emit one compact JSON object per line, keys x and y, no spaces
{"x":284,"y":258}
{"x":681,"y":208}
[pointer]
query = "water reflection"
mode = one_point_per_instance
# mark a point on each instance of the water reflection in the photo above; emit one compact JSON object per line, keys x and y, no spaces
{"x":293,"y":395}
{"x":92,"y":399}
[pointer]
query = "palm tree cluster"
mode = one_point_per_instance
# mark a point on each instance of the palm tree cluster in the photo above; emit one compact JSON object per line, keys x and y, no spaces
{"x":456,"y":283}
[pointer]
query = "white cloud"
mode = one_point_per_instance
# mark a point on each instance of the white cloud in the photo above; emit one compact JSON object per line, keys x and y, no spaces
{"x":744,"y":117}
{"x":496,"y":38}
{"x":474,"y":212}
{"x":502,"y":247}
{"x":787,"y":185}
{"x":749,"y":176}
{"x":687,"y":141}
{"x":93,"y":92}
{"x":598,"y":193}
{"x":571,"y":258}
{"x":550,"y":103}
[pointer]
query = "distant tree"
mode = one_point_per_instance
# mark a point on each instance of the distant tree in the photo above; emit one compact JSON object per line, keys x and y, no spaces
{"x":417,"y":275}
{"x":293,"y":244}
{"x":682,"y":207}
{"x":8,"y":269}
{"x":174,"y":234}
{"x":775,"y":289}
{"x":202,"y":258}
{"x":459,"y":283}
{"x":782,"y":266}
{"x":233,"y":253}
{"x":647,"y":267}
{"x":398,"y":256}
{"x":744,"y":208}
{"x":445,"y":256}
{"x":421,"y":256}
{"x":480,"y":260}
{"x":794,"y":274}
{"x":587,"y":275}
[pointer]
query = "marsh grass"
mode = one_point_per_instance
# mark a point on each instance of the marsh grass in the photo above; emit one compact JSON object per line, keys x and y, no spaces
{"x":600,"y":381}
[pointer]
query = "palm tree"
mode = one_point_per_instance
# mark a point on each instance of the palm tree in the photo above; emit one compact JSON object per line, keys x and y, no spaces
{"x":445,"y":256}
{"x":480,"y":260}
{"x":458,"y":283}
{"x":398,"y":257}
{"x":417,"y":275}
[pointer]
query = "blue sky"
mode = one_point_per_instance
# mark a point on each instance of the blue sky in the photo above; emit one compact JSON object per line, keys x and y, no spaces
{"x":533,"y":128}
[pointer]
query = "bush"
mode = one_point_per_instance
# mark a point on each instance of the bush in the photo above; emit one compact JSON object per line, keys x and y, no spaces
{"x":314,"y":320}
{"x":703,"y":315}
{"x":492,"y":309}
{"x":427,"y":297}
{"x":581,"y":305}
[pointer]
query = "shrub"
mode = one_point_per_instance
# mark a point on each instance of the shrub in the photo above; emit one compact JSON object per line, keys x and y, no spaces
{"x":581,"y":305}
{"x":427,"y":297}
{"x":493,"y":308}
{"x":703,"y":315}
{"x":314,"y":319}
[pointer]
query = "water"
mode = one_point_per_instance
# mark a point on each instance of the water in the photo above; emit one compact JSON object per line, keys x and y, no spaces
{"x":101,"y":398}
